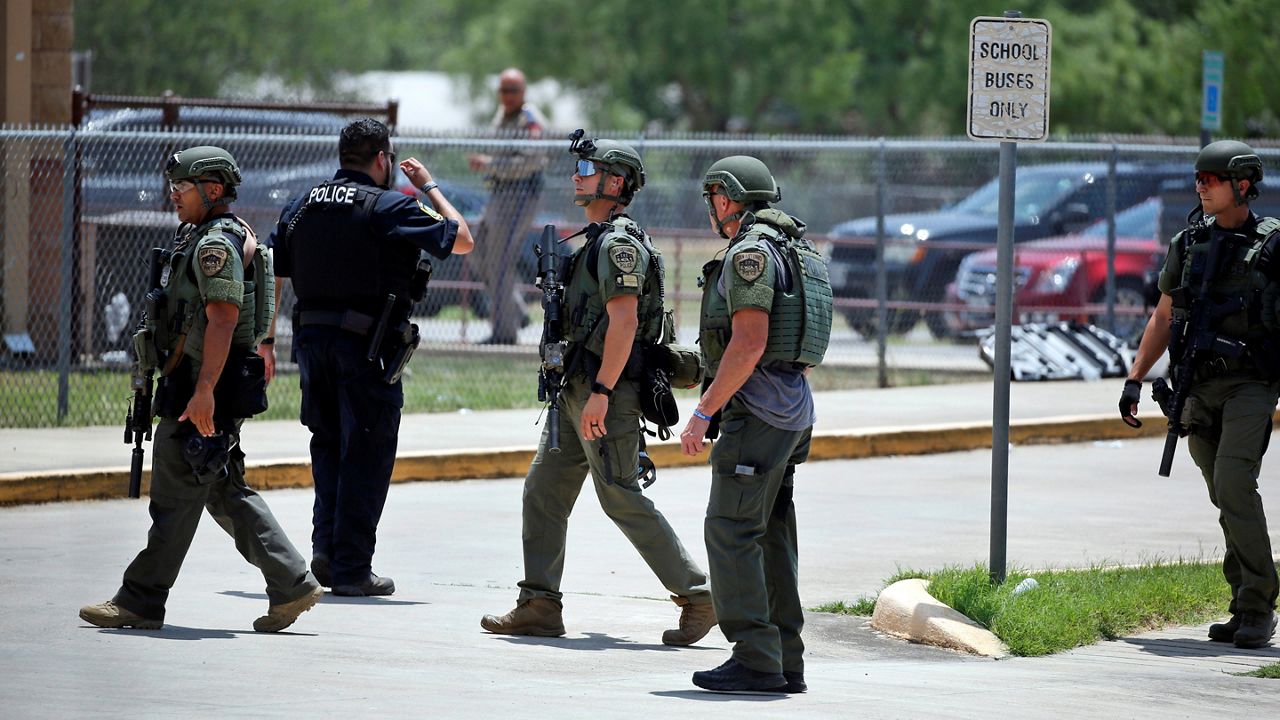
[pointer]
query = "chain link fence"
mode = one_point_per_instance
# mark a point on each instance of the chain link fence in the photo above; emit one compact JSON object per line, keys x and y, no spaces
{"x":908,"y":226}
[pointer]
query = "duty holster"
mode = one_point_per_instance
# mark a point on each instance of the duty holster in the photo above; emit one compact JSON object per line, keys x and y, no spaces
{"x":241,"y":391}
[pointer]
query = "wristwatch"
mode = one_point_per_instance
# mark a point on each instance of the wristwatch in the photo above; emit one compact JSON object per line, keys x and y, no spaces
{"x":429,"y":187}
{"x":596,"y":387}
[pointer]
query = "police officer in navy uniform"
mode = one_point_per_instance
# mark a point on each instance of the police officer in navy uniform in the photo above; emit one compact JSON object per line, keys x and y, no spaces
{"x":351,"y":246}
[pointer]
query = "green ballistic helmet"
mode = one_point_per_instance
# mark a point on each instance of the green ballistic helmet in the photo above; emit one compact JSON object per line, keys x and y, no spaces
{"x":615,"y":158}
{"x":205,"y":162}
{"x":1234,"y":160}
{"x":744,"y":179}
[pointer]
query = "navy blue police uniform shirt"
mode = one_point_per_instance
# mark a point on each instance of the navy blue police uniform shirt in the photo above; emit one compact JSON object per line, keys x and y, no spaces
{"x":395,"y":217}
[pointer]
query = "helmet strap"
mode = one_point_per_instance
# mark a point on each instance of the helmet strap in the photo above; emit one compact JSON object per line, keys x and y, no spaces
{"x":204,"y":199}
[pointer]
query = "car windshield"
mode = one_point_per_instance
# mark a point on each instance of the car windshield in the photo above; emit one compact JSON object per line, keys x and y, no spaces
{"x":1035,"y":193}
{"x":1138,"y":221}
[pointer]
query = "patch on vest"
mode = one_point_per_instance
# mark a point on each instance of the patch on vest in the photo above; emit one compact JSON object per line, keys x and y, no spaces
{"x":749,"y":265}
{"x":431,"y":213}
{"x":624,"y":257}
{"x":212,"y":259}
{"x":628,"y":281}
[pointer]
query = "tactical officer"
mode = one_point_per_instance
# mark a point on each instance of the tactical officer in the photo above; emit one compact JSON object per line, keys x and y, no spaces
{"x":1232,"y":386}
{"x":765,"y":320}
{"x":209,"y":314}
{"x":613,"y":308}
{"x":353,"y":248}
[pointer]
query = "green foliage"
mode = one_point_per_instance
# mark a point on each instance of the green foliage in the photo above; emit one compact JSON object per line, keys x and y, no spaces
{"x":864,"y":606}
{"x":1079,"y":607}
{"x":1268,"y":671}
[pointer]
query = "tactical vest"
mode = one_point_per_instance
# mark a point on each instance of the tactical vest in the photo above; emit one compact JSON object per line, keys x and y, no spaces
{"x":184,"y":310}
{"x":1237,"y":276}
{"x":585,"y":319}
{"x":799,"y":319}
{"x":338,"y":263}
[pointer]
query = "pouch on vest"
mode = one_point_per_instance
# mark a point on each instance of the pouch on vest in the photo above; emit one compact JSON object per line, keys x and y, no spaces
{"x":241,"y":391}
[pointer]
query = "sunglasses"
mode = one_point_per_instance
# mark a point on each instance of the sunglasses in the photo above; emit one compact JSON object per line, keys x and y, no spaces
{"x":183,"y":186}
{"x":586,"y":168}
{"x":708,"y":194}
{"x":509,"y":90}
{"x":1209,"y":179}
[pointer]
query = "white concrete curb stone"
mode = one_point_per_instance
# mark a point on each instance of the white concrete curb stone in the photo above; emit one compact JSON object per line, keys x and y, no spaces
{"x":905,"y":609}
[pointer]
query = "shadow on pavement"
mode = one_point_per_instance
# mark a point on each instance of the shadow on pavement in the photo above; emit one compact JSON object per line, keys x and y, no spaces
{"x":709,"y":696}
{"x":331,"y":599}
{"x":1198,"y":648}
{"x":590,"y":641}
{"x":178,"y":632}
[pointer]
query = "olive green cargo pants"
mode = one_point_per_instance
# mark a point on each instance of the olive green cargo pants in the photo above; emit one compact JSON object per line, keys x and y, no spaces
{"x":555,"y":479}
{"x":751,"y":540}
{"x":1231,"y":419}
{"x":178,"y":498}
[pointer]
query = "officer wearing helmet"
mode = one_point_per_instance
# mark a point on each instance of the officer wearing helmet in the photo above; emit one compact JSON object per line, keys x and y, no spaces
{"x":357,"y":254}
{"x":765,"y":321}
{"x":209,"y":314}
{"x":613,"y":308}
{"x":1233,"y":383}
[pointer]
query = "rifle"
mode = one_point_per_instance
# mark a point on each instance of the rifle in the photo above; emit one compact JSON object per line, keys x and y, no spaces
{"x":1193,"y":339}
{"x":137,"y":422}
{"x":552,"y":349}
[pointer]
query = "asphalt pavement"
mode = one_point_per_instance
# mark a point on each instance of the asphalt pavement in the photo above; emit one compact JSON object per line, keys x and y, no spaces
{"x":454,"y":551}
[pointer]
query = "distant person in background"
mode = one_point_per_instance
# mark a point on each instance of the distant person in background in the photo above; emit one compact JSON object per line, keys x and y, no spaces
{"x":515,"y":182}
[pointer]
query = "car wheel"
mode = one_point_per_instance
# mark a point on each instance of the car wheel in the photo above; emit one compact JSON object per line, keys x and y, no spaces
{"x":1129,"y":294}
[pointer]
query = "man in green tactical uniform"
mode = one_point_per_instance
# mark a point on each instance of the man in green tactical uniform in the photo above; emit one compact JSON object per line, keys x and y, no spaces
{"x":212,"y":309}
{"x":766,"y":319}
{"x":1233,"y":380}
{"x":612,"y":309}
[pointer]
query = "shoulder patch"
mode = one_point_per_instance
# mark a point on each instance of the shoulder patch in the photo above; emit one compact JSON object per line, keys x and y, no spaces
{"x":624,"y":257}
{"x":430,"y":211}
{"x":749,"y":264}
{"x":211,"y":260}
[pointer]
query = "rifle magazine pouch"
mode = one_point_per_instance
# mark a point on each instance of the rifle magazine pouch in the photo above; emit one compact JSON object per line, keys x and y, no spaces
{"x":241,"y":391}
{"x":174,"y":391}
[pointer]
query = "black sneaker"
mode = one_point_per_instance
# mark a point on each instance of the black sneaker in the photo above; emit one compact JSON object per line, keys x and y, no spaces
{"x":320,"y":568}
{"x":373,"y":585}
{"x":733,"y":676}
{"x":1225,"y":632}
{"x":1256,"y":629}
{"x":795,"y":682}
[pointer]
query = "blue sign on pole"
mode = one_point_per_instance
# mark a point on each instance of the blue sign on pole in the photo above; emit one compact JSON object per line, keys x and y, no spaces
{"x":1211,"y":80}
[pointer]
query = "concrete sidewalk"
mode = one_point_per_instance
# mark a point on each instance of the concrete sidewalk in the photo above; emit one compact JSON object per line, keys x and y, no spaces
{"x":43,"y":465}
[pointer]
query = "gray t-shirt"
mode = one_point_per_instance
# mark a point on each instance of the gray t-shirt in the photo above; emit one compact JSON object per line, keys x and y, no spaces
{"x":777,"y":393}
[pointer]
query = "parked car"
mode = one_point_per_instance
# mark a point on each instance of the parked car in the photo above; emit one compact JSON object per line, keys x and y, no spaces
{"x":921,"y":256}
{"x":1066,"y":272}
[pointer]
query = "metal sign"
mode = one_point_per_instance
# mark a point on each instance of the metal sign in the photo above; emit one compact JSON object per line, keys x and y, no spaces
{"x":1009,"y":79}
{"x":1211,"y":81}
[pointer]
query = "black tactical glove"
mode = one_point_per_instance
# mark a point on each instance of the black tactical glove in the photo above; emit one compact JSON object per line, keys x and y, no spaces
{"x":1129,"y":400}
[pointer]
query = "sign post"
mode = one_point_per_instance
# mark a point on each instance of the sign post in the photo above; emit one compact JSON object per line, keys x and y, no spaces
{"x":1211,"y":96}
{"x":1008,"y":102}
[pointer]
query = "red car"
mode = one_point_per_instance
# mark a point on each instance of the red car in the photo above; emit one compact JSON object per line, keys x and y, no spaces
{"x":1064,"y":278}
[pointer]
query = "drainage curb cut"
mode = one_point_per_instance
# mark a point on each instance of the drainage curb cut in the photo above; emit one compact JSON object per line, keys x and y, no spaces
{"x":53,"y":486}
{"x":905,"y":609}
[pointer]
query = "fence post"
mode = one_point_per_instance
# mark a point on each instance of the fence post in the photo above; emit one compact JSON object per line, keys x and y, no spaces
{"x":882,"y":279}
{"x":1112,"y":192}
{"x":66,"y":274}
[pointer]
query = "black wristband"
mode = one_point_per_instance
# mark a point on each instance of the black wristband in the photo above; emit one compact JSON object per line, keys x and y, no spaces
{"x":268,"y":341}
{"x":596,"y":387}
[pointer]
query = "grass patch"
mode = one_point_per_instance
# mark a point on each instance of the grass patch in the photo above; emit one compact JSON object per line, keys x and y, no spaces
{"x":1071,"y":608}
{"x":1269,"y":671}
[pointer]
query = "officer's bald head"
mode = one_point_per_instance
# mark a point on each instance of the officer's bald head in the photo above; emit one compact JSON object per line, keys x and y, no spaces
{"x":361,"y":141}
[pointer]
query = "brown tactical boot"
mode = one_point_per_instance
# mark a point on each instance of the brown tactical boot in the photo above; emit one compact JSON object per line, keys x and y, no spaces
{"x":111,"y":615}
{"x":281,"y":616}
{"x":537,"y":616}
{"x":695,"y":622}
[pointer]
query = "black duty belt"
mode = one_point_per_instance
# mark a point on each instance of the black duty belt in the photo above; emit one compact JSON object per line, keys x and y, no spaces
{"x":351,"y":321}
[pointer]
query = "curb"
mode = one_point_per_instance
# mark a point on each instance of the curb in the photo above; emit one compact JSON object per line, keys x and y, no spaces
{"x":906,"y":610}
{"x":506,"y":462}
